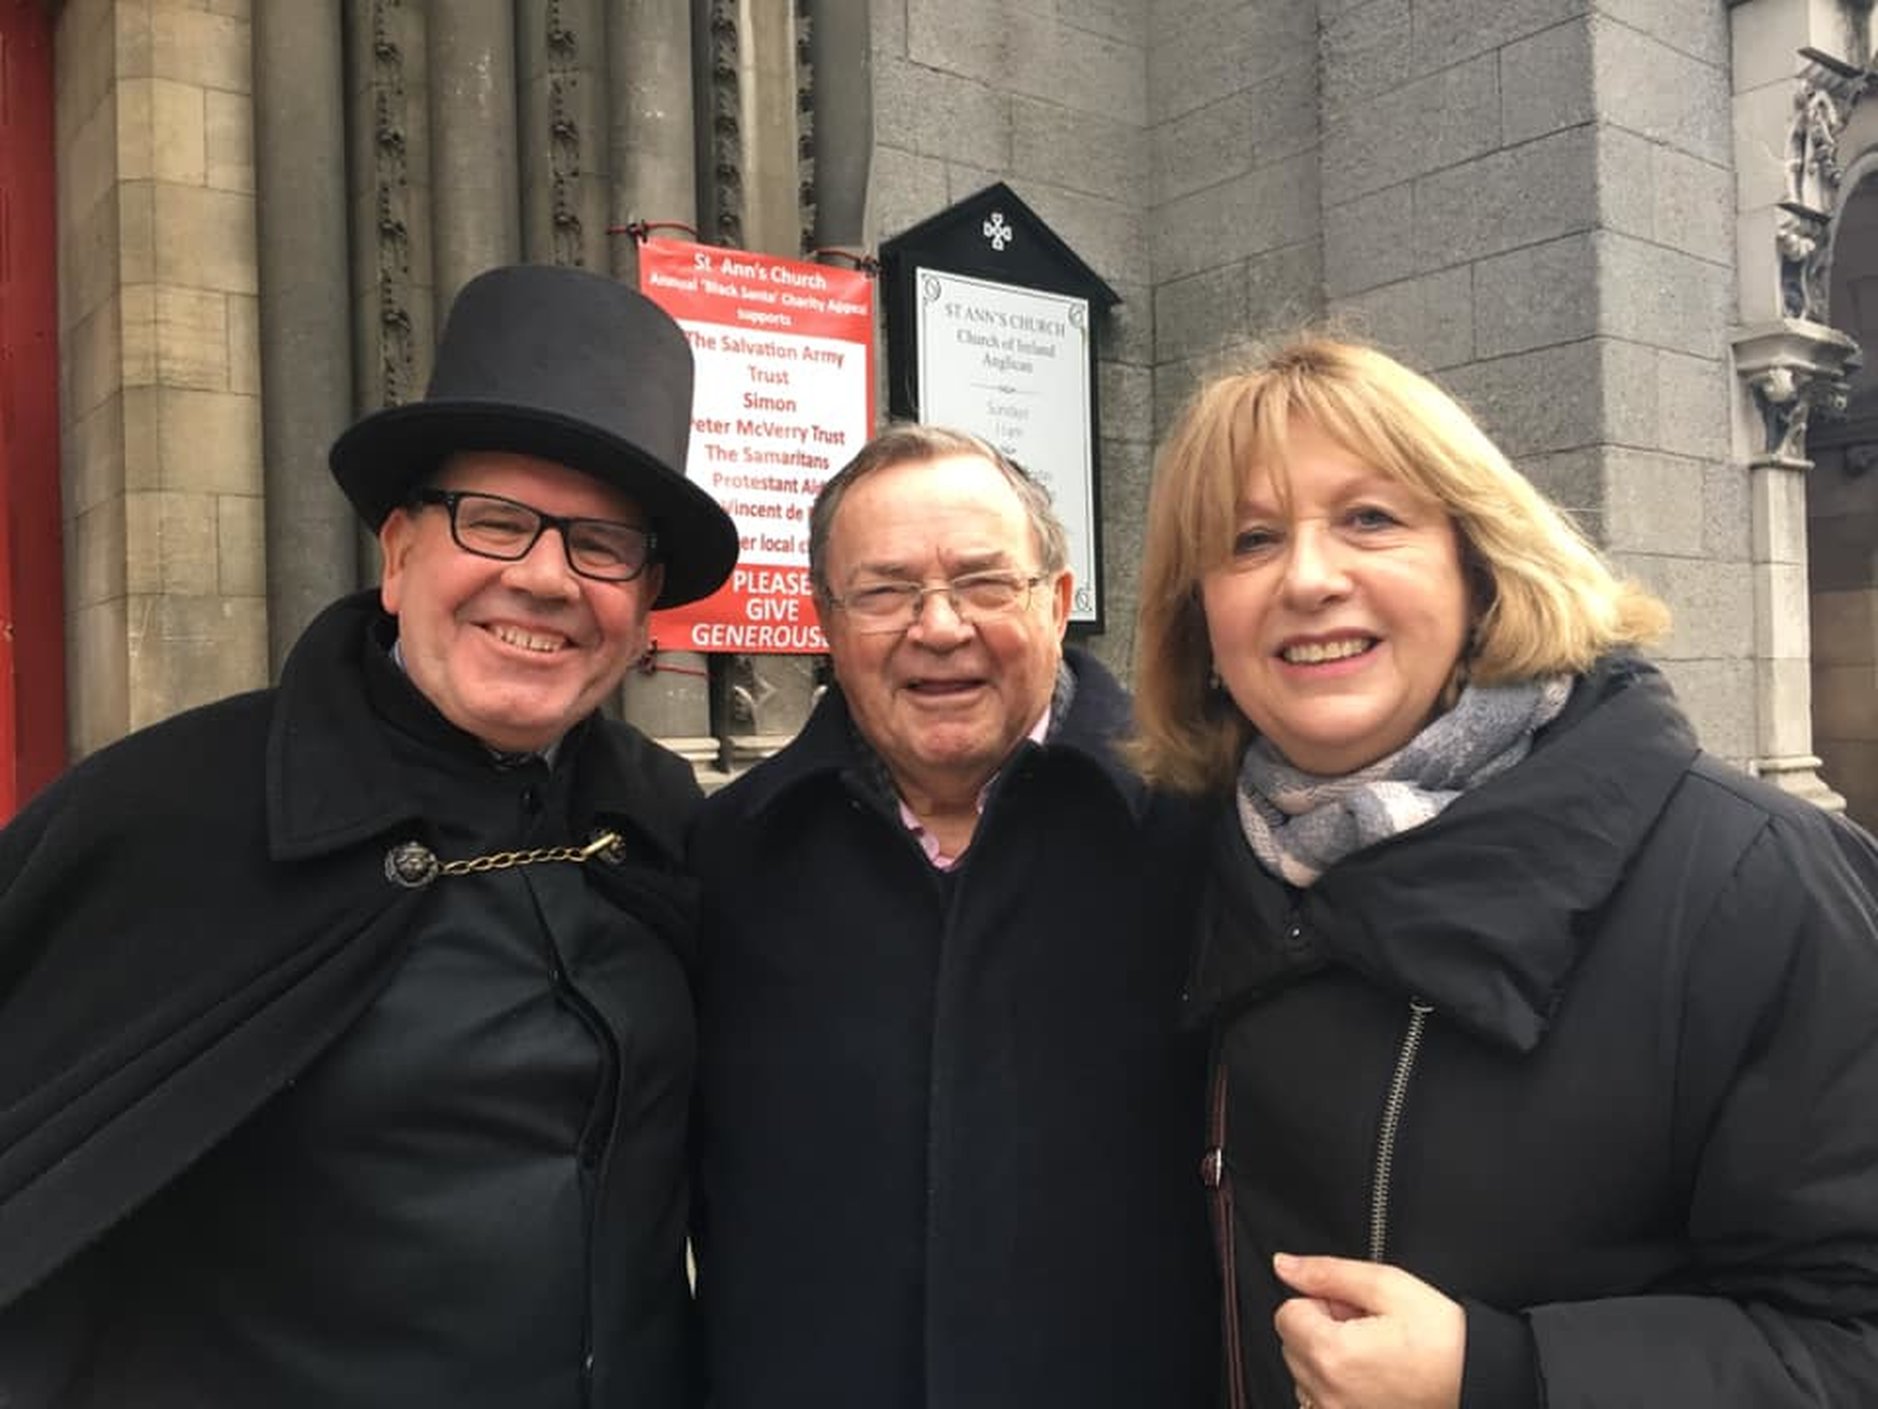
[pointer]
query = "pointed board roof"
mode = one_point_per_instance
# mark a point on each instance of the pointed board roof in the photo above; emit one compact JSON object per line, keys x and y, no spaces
{"x":993,"y":234}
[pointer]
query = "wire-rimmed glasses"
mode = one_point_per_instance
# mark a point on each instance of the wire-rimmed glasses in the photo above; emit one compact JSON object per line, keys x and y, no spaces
{"x":882,"y":607}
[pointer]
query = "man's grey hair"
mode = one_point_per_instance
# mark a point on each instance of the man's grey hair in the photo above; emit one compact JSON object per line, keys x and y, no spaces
{"x":912,"y":443}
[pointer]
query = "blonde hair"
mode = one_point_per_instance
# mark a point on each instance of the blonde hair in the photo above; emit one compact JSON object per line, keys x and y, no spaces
{"x":1545,"y":602}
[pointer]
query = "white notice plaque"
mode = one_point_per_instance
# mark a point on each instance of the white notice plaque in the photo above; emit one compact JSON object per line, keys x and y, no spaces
{"x":1012,"y":365}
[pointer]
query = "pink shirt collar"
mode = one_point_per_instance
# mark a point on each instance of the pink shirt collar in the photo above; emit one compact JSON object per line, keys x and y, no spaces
{"x":929,"y":843}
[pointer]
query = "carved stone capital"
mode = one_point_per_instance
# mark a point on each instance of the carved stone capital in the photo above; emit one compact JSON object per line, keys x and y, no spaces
{"x":1792,"y":367}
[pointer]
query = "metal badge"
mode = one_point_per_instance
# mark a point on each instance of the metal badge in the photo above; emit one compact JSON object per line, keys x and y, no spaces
{"x":411,"y":864}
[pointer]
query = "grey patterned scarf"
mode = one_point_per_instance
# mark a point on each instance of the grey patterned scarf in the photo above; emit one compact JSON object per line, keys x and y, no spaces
{"x":1300,"y":824}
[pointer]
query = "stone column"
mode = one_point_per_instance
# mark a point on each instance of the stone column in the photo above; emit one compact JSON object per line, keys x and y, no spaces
{"x":652,"y":144}
{"x":161,"y":412}
{"x":1792,"y":95}
{"x":1791,"y":368}
{"x":753,"y":200}
{"x":306,"y":352}
{"x":841,"y":58}
{"x":651,"y":120}
{"x":561,"y":54}
{"x":475,"y":183}
{"x":768,"y":89}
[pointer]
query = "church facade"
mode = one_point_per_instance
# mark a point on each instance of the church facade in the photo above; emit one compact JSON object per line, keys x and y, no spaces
{"x":1638,"y":237}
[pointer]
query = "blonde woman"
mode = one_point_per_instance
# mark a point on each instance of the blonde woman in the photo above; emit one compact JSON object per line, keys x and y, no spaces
{"x":1544,"y":1055}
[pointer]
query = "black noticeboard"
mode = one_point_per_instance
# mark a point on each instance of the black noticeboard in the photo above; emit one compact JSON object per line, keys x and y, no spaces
{"x":991,"y":327}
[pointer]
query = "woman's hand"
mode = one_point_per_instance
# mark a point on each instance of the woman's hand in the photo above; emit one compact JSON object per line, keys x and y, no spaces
{"x":1363,"y":1335}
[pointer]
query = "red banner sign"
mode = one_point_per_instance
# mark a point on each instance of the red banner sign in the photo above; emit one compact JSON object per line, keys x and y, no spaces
{"x":784,"y":398}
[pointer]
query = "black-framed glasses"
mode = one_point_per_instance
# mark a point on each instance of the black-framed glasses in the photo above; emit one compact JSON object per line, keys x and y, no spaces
{"x":506,"y":529}
{"x":881,"y":607}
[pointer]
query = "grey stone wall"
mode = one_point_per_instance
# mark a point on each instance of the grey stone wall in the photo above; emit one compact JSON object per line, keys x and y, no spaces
{"x":1677,"y":508}
{"x":165,"y":589}
{"x":1533,"y":201}
{"x":1237,"y":220}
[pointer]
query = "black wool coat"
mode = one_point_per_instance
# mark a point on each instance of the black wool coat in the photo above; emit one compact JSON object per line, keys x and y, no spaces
{"x":1634,"y":1129}
{"x":189,"y":918}
{"x":947,"y":1130}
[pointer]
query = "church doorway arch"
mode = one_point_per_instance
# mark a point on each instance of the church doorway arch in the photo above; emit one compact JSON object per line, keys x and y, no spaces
{"x":1842,"y":508}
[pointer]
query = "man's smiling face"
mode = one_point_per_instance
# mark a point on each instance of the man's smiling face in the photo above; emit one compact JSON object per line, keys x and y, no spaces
{"x":514,"y":653}
{"x":946,"y":700}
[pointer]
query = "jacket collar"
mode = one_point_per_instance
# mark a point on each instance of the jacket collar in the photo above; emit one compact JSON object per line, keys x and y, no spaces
{"x":830,"y":746}
{"x":1485,"y":910}
{"x":333,"y":780}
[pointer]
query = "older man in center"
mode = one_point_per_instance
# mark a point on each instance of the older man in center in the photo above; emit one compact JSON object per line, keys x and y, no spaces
{"x":946,"y":1123}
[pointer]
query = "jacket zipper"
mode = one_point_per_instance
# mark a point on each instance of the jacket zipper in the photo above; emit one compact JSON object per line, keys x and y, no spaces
{"x":1213,"y":1175}
{"x":1391,"y":1125}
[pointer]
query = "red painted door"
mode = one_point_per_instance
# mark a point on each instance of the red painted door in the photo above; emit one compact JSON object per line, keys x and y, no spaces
{"x":32,"y":612}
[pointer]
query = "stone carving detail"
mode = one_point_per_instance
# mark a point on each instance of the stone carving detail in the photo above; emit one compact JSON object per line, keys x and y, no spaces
{"x":1821,"y":104}
{"x":564,"y":169}
{"x":1786,"y":399}
{"x":806,"y":198}
{"x":1798,"y":367}
{"x":1800,"y":238}
{"x":1825,"y":93}
{"x":726,"y":128}
{"x":1794,"y":369}
{"x":391,"y":186}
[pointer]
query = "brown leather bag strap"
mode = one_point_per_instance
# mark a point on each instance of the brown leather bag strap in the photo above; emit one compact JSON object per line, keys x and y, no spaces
{"x":1213,"y":1174}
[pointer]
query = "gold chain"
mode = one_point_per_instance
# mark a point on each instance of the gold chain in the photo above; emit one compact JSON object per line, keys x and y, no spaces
{"x":413,"y":865}
{"x":502,"y":860}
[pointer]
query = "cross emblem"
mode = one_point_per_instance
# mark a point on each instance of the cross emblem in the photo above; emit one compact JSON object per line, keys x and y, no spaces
{"x":999,"y":233}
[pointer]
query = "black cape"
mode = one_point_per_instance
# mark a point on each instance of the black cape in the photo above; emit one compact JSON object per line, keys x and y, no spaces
{"x":189,"y":917}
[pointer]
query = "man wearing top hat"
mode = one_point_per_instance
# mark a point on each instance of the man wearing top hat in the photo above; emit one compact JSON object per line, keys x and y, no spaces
{"x":345,"y":1026}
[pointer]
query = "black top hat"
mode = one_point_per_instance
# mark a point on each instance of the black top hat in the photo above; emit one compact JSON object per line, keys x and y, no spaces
{"x":542,"y":360}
